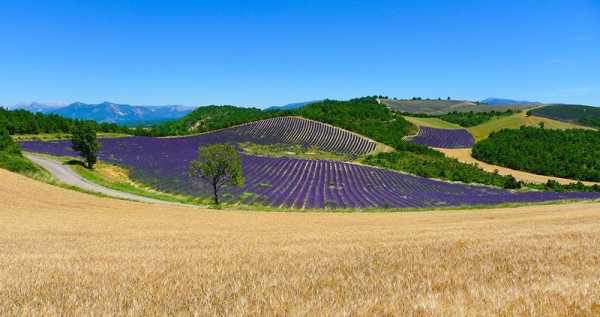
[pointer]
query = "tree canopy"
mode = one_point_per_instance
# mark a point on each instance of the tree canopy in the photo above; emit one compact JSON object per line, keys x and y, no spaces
{"x":220,"y":165}
{"x":25,"y":122}
{"x":11,"y":157}
{"x":85,"y":142}
{"x":573,"y":154}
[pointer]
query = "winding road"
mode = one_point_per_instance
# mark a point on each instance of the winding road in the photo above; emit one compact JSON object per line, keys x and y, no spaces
{"x":66,"y":175}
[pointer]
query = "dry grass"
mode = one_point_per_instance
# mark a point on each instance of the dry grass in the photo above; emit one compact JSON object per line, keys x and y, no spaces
{"x":67,"y":253}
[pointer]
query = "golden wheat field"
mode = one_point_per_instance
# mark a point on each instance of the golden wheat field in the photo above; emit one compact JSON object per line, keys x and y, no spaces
{"x":65,"y":253}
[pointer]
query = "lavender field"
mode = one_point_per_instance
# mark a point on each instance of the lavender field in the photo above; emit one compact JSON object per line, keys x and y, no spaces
{"x":287,"y":182}
{"x":444,"y":138}
{"x":295,"y":130}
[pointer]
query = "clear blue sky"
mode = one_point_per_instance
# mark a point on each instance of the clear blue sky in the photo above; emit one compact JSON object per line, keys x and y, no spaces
{"x":274,"y":52}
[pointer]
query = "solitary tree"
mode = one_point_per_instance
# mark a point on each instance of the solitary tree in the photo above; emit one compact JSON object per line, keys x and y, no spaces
{"x":220,"y":165}
{"x":85,"y":142}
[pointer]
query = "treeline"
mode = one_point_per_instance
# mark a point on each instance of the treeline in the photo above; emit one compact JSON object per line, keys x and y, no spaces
{"x":25,"y":122}
{"x":11,"y":157}
{"x":438,"y":166}
{"x":573,"y":154}
{"x":471,"y":119}
{"x":465,"y":119}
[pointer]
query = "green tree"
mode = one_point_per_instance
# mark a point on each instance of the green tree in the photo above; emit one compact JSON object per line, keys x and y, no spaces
{"x":220,"y":165}
{"x":85,"y":142}
{"x":6,"y":142}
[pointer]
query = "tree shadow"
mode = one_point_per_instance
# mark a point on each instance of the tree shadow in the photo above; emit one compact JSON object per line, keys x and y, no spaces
{"x":75,"y":162}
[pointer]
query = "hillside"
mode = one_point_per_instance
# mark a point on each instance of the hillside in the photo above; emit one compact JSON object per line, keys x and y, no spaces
{"x":578,"y":114}
{"x":98,"y":260}
{"x":573,"y":154}
{"x":431,"y":122}
{"x":515,"y":121}
{"x":292,"y":106}
{"x":439,"y":107}
{"x":210,"y":118}
{"x":364,"y":116}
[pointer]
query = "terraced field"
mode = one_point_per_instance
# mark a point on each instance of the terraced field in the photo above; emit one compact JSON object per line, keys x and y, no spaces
{"x":443,"y":138}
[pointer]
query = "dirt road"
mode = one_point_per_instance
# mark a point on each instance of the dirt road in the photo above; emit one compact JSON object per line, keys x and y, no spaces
{"x":66,"y":175}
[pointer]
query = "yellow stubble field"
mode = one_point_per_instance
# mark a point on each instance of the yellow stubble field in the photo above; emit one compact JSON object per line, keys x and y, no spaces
{"x":67,"y":253}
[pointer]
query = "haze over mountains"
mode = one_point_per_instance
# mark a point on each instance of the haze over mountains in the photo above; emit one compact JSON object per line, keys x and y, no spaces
{"x":505,"y":101}
{"x":110,"y":112}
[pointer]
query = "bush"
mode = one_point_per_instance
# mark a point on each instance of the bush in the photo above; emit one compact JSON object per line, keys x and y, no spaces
{"x":11,"y":157}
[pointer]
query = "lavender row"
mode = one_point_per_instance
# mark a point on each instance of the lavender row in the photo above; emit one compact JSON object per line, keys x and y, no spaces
{"x":294,"y":130}
{"x":444,"y":138}
{"x":163,"y":163}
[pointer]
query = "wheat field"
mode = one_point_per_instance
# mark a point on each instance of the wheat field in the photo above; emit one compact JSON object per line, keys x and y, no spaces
{"x":64,"y":253}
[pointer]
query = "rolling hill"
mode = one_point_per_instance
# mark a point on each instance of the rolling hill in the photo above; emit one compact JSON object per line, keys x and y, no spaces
{"x":439,"y":107}
{"x":515,"y":121}
{"x":579,"y":114}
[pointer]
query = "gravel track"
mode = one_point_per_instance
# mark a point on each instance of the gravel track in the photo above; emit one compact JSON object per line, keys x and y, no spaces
{"x":66,"y":175}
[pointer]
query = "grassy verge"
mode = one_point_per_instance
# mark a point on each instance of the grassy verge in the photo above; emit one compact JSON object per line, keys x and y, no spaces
{"x":117,"y":178}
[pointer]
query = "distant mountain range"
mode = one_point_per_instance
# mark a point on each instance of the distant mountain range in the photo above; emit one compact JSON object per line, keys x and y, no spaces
{"x":293,"y":106}
{"x":110,"y":112}
{"x":43,"y":107}
{"x":503,"y":102}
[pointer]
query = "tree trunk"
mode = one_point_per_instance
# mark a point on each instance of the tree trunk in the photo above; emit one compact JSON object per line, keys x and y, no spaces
{"x":216,"y":193}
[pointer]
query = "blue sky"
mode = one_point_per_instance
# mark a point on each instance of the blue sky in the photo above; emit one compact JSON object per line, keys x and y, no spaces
{"x":267,"y":53}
